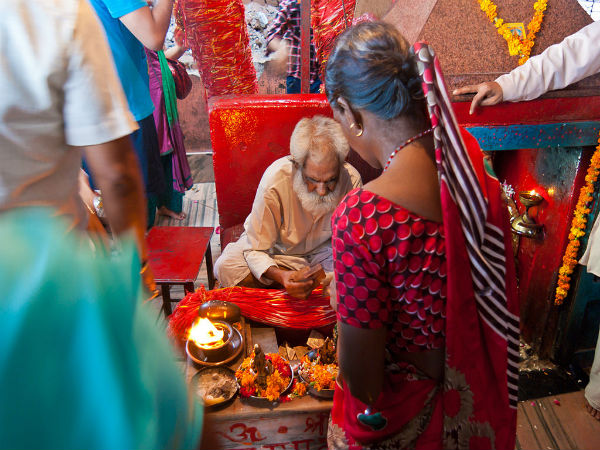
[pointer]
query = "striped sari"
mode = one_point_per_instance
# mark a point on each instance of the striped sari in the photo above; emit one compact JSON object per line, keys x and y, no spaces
{"x":475,"y":404}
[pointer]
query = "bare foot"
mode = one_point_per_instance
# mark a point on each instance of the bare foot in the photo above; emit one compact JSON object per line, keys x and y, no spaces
{"x":164,"y":211}
{"x":593,"y":411}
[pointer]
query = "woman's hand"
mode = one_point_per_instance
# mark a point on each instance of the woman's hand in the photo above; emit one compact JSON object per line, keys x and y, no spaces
{"x":486,"y":94}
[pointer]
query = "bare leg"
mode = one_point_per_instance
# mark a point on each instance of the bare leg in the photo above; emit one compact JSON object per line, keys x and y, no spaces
{"x":164,"y":211}
{"x":593,"y":411}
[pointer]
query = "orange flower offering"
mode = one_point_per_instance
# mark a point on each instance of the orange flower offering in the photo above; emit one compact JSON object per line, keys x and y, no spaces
{"x":319,"y":376}
{"x":578,"y":227}
{"x":278,"y":377}
{"x":519,"y":42}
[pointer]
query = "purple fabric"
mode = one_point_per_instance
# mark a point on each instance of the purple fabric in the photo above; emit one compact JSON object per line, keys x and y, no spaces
{"x":170,"y":139}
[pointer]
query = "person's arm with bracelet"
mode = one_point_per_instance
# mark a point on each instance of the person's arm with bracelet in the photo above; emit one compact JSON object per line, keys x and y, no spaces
{"x":116,"y":171}
{"x":98,"y":122}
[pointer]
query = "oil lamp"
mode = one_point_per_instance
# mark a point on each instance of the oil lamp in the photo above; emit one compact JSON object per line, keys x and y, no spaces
{"x":524,"y":224}
{"x":209,"y":341}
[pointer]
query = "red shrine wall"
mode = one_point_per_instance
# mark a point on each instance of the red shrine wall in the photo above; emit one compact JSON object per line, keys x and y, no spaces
{"x":193,"y":110}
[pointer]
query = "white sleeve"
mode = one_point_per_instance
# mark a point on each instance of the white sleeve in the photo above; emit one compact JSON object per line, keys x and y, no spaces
{"x":95,"y":109}
{"x":262,"y":230}
{"x":573,"y":59}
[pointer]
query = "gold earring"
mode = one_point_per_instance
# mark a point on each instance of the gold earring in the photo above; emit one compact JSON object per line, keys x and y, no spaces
{"x":359,"y":128}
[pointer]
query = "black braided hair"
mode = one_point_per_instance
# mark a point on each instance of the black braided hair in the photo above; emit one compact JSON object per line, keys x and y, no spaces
{"x":372,"y":68}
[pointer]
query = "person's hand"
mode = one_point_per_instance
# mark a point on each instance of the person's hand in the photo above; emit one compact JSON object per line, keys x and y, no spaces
{"x":486,"y":94}
{"x":86,"y":193}
{"x":277,"y":50}
{"x":179,"y":37}
{"x":330,"y":290}
{"x":148,"y":280}
{"x":297,"y":288}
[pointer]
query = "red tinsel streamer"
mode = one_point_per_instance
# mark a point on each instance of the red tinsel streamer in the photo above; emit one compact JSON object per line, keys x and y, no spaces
{"x":328,"y":21}
{"x":269,"y":306}
{"x":216,"y":32}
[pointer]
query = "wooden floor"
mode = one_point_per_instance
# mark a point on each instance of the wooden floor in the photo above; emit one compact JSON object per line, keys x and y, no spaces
{"x":544,"y":424}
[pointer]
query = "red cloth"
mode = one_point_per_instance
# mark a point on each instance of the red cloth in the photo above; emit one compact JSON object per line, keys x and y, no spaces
{"x":404,"y":395}
{"x":482,"y":311}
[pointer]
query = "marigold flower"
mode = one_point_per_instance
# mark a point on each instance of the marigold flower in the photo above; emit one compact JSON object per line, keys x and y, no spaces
{"x":516,"y":46}
{"x":579,"y":221}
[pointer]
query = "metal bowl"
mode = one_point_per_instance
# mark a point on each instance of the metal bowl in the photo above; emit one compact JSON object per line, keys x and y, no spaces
{"x":323,"y":393}
{"x":220,"y":310}
{"x":215,"y":385}
{"x":202,"y":354}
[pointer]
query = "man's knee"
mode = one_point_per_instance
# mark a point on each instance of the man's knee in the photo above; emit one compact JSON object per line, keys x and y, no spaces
{"x":230,"y":266}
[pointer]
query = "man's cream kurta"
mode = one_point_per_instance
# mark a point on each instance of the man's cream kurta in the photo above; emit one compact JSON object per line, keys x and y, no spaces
{"x":279,"y":231}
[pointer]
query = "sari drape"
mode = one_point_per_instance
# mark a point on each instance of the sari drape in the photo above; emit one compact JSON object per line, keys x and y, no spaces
{"x":474,"y":406}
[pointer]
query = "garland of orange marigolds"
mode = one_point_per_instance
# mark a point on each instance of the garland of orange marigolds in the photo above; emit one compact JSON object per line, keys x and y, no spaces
{"x":578,"y":226}
{"x":516,"y":45}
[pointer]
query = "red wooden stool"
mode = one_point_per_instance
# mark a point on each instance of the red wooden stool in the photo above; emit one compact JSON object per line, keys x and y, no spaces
{"x":176,"y":254}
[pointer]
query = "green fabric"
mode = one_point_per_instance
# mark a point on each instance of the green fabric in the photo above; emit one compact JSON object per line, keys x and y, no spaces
{"x":83,"y":363}
{"x":168,"y":88}
{"x":170,"y":198}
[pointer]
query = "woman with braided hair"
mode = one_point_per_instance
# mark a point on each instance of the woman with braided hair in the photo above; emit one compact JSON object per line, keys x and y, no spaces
{"x":426,"y":293}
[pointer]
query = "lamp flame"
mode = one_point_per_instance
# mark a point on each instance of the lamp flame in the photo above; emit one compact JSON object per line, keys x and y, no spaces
{"x":205,"y":334}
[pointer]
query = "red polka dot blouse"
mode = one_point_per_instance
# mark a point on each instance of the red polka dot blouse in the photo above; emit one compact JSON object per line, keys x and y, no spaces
{"x":390,"y":269}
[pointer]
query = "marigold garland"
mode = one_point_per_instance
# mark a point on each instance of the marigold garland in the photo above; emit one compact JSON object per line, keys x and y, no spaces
{"x":516,"y":45}
{"x":578,"y":226}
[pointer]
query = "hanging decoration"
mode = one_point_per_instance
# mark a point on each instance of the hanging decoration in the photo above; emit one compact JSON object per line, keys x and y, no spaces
{"x":519,"y":41}
{"x":329,"y":18}
{"x":216,"y":32}
{"x":269,"y":306}
{"x":578,"y":226}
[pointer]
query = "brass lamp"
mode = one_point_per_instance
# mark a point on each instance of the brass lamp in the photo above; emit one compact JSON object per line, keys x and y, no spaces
{"x":524,"y":224}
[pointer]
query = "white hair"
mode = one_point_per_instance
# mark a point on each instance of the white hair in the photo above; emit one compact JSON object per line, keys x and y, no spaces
{"x":320,"y":138}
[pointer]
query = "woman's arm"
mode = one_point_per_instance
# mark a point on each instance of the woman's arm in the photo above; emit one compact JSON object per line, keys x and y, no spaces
{"x":361,"y":355}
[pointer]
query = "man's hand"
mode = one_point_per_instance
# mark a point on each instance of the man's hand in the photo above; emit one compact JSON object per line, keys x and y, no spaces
{"x":295,"y":286}
{"x":292,"y":281}
{"x":486,"y":94}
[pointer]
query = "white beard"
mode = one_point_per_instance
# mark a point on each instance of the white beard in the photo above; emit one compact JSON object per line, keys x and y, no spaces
{"x":311,"y":201}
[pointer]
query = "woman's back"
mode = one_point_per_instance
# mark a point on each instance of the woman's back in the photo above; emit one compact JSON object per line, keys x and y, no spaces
{"x":391,"y":271}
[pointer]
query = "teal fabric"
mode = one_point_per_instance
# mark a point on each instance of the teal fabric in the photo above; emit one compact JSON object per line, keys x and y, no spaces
{"x":128,"y":53}
{"x":83,"y":363}
{"x":170,"y":198}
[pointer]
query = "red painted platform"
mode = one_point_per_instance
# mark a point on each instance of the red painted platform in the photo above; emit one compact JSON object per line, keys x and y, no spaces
{"x":176,"y":254}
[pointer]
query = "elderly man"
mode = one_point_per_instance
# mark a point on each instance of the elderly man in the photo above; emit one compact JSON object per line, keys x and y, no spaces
{"x":289,"y":227}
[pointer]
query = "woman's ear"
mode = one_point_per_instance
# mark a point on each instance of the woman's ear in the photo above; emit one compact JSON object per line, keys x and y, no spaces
{"x":352,"y":118}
